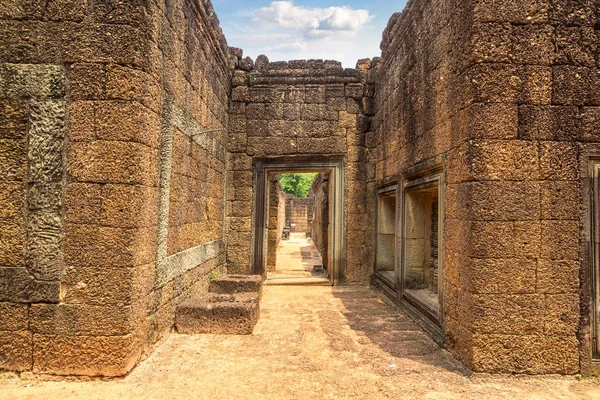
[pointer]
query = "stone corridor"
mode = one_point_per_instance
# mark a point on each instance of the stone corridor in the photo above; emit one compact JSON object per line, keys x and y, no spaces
{"x":137,"y":150}
{"x":310,"y":343}
{"x":296,"y":260}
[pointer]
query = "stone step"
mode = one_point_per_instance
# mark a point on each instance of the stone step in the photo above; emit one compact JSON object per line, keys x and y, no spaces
{"x":232,"y":284}
{"x":213,"y":313}
{"x":285,"y":280}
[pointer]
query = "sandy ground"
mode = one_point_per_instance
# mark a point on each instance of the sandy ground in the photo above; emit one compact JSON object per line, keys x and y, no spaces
{"x":312,"y":342}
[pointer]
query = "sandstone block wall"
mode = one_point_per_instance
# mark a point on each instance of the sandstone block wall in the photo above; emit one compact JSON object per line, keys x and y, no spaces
{"x":32,"y":133}
{"x":545,"y":75}
{"x":89,"y":95}
{"x":277,"y":220}
{"x":319,"y":192}
{"x":192,"y":58}
{"x":501,"y":97}
{"x":74,"y":159}
{"x":299,"y":108}
{"x":299,"y":212}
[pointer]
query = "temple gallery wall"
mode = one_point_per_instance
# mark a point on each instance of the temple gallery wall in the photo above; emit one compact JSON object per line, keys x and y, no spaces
{"x":458,"y":175}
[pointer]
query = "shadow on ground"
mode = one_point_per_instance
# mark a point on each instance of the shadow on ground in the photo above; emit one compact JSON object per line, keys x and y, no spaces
{"x":311,"y":257}
{"x":391,"y":330}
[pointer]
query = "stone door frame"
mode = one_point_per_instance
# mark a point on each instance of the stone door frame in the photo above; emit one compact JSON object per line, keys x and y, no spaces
{"x":594,"y":250}
{"x":332,"y":164}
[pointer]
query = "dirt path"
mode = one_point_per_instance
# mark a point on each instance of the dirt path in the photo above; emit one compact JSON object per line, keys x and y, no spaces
{"x":311,"y":343}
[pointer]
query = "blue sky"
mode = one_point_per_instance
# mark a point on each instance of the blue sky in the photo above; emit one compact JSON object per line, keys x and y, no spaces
{"x":343,"y":30}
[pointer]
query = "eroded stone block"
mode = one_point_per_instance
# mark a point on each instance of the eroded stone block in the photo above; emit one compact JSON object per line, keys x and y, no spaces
{"x":218,"y":314}
{"x":84,"y":355}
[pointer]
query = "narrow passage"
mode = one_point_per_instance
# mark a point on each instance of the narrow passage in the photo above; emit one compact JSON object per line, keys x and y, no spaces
{"x":298,"y":262}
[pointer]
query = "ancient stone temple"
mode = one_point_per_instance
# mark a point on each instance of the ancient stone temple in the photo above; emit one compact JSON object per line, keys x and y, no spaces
{"x":461,"y":172}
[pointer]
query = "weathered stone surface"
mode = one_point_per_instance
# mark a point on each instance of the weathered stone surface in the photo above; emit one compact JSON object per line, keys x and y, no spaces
{"x":572,"y":85}
{"x":83,"y":202}
{"x":102,"y":43}
{"x":32,"y":81}
{"x":246,"y":64}
{"x":364,"y":64}
{"x":127,"y":121}
{"x":576,"y":45}
{"x":558,"y":161}
{"x":504,"y":160}
{"x":354,"y":90}
{"x":525,"y":354}
{"x":573,"y":12}
{"x":514,"y":11}
{"x":15,"y":351}
{"x":15,"y":118}
{"x":18,"y":286}
{"x":557,"y":276}
{"x":562,"y":315}
{"x":101,"y":286}
{"x":511,"y":83}
{"x":177,"y":264}
{"x":533,"y":44}
{"x":501,"y":276}
{"x":590,"y":122}
{"x":12,"y":243}
{"x":113,"y":162}
{"x":88,"y":81}
{"x":560,"y":200}
{"x":84,"y":355}
{"x":44,"y":246}
{"x":15,"y":317}
{"x":129,"y":206}
{"x":80,"y":320}
{"x":12,"y":200}
{"x":548,"y":122}
{"x":13,"y":155}
{"x":218,"y":314}
{"x":560,"y":240}
{"x":498,"y":201}
{"x":110,"y":195}
{"x":498,"y":239}
{"x":92,"y":245}
{"x":261,"y":62}
{"x":233,"y":284}
{"x":510,"y":314}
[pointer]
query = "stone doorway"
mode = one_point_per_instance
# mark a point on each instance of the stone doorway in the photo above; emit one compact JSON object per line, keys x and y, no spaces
{"x":298,"y":218}
{"x":265,"y":171}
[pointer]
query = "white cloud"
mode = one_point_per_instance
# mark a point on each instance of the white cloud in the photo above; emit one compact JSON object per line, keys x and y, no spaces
{"x":287,"y":15}
{"x":284,"y":31}
{"x":346,"y":19}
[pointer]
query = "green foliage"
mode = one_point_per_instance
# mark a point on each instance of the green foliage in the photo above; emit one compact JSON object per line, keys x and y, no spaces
{"x":297,"y":184}
{"x":213,"y":275}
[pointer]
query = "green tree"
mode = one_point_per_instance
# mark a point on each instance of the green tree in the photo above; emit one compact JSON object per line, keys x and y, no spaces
{"x":297,"y":184}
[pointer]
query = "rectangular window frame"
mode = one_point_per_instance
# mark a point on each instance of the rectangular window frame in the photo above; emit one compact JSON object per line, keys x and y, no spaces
{"x":387,"y":190}
{"x":432,"y":179}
